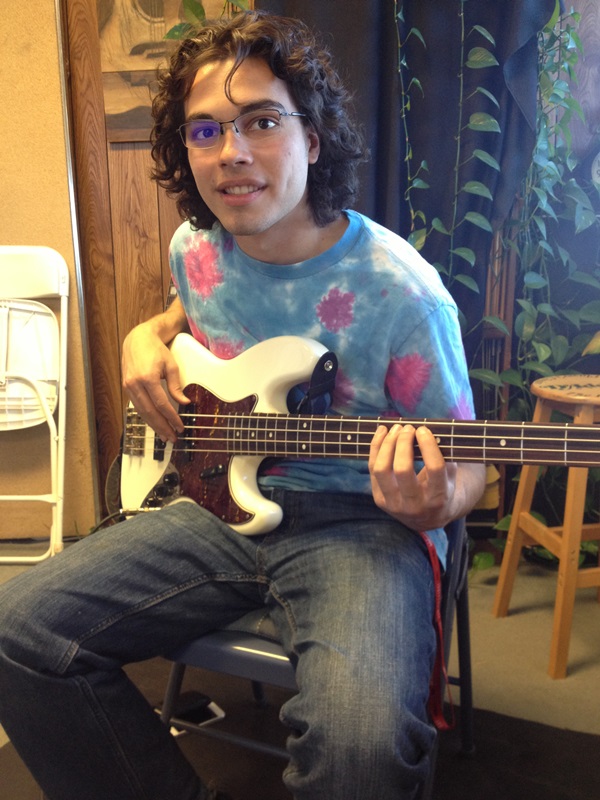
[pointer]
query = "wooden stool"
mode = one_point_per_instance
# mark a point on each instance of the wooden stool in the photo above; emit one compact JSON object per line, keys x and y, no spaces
{"x":577,"y":396}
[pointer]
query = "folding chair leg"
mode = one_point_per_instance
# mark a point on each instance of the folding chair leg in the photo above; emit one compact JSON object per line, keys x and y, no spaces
{"x":172,"y":692}
{"x":463,"y":635}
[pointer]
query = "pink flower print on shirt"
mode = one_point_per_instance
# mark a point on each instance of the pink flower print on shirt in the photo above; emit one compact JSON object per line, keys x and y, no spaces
{"x":202,"y":268}
{"x":225,"y":348}
{"x":463,"y":408}
{"x":336,"y":310}
{"x":198,"y":335}
{"x":343,"y":393}
{"x":406,"y":380}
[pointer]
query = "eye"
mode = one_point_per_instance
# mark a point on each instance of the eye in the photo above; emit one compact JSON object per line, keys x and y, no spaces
{"x":262,"y":121}
{"x":203,"y":130}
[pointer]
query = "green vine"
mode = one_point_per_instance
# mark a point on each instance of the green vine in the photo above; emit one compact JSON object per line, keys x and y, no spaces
{"x":557,"y":316}
{"x":478,"y":57}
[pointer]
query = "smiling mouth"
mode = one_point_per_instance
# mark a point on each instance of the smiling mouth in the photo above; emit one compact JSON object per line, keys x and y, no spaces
{"x":237,"y":190}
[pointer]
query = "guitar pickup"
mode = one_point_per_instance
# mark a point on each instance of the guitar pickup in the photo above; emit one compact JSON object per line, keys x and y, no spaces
{"x":159,"y":449}
{"x":214,"y":472}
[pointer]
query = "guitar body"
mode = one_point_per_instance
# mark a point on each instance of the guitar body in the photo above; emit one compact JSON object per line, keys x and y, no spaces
{"x":257,"y":381}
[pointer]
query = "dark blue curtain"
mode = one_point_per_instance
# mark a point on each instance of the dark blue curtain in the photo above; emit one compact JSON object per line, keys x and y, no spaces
{"x":362,"y":35}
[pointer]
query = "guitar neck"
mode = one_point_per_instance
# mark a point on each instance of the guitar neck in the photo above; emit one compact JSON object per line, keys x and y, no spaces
{"x":289,"y":436}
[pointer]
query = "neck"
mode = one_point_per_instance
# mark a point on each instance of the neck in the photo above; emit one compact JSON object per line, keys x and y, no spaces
{"x":282,"y":247}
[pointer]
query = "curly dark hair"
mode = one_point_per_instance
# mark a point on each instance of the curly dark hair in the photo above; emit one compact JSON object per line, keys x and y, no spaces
{"x":293,"y":55}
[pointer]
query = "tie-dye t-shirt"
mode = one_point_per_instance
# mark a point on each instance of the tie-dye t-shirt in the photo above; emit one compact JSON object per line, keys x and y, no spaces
{"x":371,"y":299}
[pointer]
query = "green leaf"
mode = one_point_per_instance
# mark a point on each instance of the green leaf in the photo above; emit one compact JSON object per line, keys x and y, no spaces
{"x":584,"y":218}
{"x":485,"y":376}
{"x":416,"y":32}
{"x":573,"y":317}
{"x":593,"y":346}
{"x":179,"y":31}
{"x":244,"y":5}
{"x":527,"y":307}
{"x":486,"y":158}
{"x":497,"y":323}
{"x":481,"y":121}
{"x":548,"y":310}
{"x":541,"y":225}
{"x":482,"y":561}
{"x":480,"y":57}
{"x":416,"y":82}
{"x":468,"y":281}
{"x":583,"y":277}
{"x":560,"y":348}
{"x":417,"y":238}
{"x":512,"y":377}
{"x":503,"y":524}
{"x":539,"y":368}
{"x":485,"y":33}
{"x":479,"y":220}
{"x":193,"y":11}
{"x":466,"y":253}
{"x":488,"y":94}
{"x":534,"y":281}
{"x":542,"y":350}
{"x":590,"y":312}
{"x":438,"y":225}
{"x":478,"y":188}
{"x":419,"y":183}
{"x":525,"y":326}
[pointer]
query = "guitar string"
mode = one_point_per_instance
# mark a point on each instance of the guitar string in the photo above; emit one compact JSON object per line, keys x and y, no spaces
{"x":353,"y":447}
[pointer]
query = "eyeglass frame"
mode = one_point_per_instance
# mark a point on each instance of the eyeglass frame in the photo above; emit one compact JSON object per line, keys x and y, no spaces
{"x":181,"y":128}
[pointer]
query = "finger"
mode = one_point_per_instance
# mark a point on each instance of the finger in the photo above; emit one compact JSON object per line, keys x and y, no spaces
{"x":173,"y":381}
{"x":157,"y":412}
{"x":430,"y":450}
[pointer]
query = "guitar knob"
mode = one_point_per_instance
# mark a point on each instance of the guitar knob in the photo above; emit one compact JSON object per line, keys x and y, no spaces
{"x":171,"y":479}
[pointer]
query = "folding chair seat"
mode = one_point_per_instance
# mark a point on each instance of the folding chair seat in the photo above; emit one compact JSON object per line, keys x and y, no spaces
{"x":33,"y":363}
{"x":249,"y":648}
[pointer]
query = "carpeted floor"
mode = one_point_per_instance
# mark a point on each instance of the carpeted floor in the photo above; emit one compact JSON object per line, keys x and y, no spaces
{"x":514,"y":759}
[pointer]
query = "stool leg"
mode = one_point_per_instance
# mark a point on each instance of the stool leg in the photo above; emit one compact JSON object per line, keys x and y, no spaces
{"x":514,"y":540}
{"x":567,"y":571}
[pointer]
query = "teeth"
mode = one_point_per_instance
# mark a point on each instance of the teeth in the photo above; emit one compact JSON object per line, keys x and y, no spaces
{"x":240,"y":189}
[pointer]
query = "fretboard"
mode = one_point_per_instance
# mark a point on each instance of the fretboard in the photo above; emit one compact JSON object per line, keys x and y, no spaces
{"x":284,"y":436}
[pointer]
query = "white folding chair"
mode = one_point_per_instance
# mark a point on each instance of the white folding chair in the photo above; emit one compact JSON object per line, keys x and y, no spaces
{"x":33,"y":364}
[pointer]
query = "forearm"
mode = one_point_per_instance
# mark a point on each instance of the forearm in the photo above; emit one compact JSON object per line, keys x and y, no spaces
{"x":169,"y":323}
{"x":469,"y":487}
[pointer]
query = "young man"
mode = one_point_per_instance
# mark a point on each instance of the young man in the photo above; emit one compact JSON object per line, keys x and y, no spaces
{"x":253,"y":136}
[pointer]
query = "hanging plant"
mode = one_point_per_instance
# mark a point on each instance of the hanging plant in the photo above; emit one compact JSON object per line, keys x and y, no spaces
{"x":195,"y":16}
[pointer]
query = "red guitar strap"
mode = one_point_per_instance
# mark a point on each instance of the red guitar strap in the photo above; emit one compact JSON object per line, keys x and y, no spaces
{"x":436,"y":700}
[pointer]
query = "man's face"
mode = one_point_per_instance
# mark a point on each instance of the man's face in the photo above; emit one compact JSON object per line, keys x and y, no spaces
{"x":257,"y":190}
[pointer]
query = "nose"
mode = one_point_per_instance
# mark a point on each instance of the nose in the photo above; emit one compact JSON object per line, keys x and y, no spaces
{"x":234,"y":146}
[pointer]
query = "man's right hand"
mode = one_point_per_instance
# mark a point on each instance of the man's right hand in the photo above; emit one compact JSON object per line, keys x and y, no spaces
{"x":146,"y":363}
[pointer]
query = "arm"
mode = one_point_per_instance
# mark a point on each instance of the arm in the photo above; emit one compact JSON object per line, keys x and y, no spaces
{"x":146,"y":361}
{"x":440,"y":492}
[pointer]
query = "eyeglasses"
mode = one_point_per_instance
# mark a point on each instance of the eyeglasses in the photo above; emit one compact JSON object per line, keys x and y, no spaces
{"x":200,"y":134}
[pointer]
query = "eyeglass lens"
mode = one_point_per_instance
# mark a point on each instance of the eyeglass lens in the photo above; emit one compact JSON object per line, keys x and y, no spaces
{"x":203,"y":133}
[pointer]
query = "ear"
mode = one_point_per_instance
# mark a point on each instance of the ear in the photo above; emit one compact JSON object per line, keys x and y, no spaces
{"x":314,"y":146}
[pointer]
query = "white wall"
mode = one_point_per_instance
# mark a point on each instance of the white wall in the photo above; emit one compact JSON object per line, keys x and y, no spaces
{"x":35,"y":209}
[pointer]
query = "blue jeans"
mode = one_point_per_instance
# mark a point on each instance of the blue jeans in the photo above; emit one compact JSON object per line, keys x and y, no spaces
{"x":350,"y":590}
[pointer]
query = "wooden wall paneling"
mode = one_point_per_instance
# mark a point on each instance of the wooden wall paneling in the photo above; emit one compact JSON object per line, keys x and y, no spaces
{"x":169,"y":221}
{"x":137,"y":255}
{"x":95,"y":225}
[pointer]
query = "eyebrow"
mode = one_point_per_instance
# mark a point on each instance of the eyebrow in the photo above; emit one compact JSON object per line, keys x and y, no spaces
{"x":254,"y":106}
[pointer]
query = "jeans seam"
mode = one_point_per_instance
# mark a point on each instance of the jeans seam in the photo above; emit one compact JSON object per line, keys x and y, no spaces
{"x":217,"y":577}
{"x":110,"y":733}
